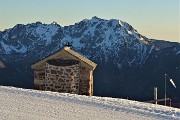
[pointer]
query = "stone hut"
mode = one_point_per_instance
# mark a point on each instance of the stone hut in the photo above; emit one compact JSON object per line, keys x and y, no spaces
{"x":64,"y":71}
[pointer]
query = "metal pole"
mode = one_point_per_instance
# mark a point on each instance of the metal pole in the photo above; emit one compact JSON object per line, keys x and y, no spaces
{"x":165,"y":92}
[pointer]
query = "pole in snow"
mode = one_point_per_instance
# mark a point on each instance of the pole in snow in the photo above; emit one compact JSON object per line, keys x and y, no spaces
{"x":155,"y":95}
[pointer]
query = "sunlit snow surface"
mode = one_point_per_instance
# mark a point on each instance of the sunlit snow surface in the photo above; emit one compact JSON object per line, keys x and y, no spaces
{"x":24,"y":104}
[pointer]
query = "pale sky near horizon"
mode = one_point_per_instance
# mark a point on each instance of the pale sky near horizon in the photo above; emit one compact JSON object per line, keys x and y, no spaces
{"x":158,"y":19}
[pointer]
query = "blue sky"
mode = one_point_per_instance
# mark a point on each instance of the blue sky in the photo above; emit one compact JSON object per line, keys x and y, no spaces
{"x":153,"y":18}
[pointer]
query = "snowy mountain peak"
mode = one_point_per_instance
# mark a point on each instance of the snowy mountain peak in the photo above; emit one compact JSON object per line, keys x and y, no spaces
{"x":124,"y":28}
{"x":95,"y":18}
{"x":105,"y":36}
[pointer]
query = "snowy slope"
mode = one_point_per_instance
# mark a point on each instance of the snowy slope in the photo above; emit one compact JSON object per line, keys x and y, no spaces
{"x":24,"y":104}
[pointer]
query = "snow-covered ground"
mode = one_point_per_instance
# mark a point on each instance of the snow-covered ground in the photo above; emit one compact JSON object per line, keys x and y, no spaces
{"x":24,"y":104}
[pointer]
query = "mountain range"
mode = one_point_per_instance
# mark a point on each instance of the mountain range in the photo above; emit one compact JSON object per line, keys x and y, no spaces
{"x":129,"y":65}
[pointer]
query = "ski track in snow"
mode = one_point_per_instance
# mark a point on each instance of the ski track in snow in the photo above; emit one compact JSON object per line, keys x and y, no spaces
{"x":24,"y":104}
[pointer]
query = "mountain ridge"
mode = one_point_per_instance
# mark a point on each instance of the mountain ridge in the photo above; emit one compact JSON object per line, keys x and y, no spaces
{"x":123,"y":55}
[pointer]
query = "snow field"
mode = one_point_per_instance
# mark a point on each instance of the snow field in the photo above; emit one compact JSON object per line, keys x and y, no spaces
{"x":24,"y":104}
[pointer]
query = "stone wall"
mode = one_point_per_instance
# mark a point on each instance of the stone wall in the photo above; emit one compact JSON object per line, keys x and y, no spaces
{"x":62,"y":78}
{"x":84,"y":80}
{"x":39,"y":77}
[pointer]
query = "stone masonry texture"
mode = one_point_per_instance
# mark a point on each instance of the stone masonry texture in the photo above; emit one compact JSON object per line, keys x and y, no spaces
{"x":62,"y":78}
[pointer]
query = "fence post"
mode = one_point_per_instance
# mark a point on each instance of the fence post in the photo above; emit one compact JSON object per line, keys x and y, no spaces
{"x":155,"y":95}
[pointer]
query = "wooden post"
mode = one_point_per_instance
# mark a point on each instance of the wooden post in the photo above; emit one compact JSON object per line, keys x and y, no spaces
{"x":165,"y":90}
{"x":155,"y":95}
{"x":170,"y":103}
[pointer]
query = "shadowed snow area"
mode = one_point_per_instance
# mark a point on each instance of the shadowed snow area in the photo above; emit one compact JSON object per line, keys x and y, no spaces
{"x":24,"y":104}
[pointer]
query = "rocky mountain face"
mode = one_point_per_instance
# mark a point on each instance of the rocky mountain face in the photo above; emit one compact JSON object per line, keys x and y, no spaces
{"x":129,"y":65}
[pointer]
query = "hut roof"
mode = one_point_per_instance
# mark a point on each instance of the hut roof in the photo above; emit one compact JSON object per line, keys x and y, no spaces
{"x":70,"y":51}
